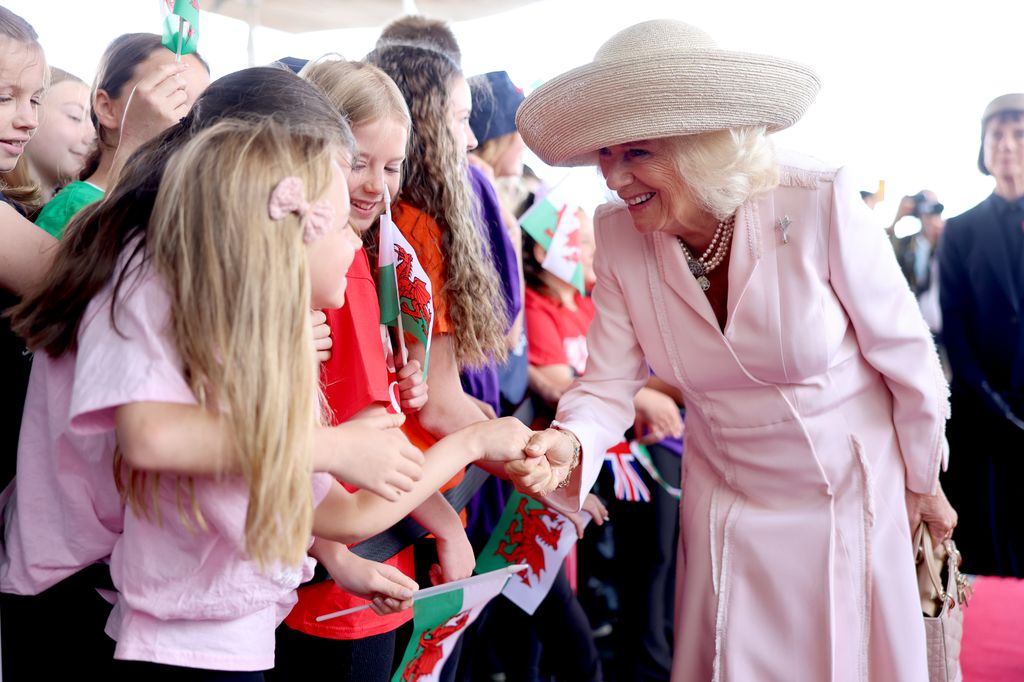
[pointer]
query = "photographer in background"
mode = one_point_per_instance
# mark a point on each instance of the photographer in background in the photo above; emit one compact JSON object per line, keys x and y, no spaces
{"x":916,"y":251}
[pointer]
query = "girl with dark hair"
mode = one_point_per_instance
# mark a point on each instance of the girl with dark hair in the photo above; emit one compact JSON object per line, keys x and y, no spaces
{"x":133,"y":62}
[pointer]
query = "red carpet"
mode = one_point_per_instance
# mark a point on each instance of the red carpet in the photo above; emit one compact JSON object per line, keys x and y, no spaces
{"x":993,"y":644}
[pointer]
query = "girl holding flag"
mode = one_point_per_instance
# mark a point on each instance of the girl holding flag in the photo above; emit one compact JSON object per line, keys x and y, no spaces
{"x":356,"y":383}
{"x":136,"y":66}
{"x":65,"y":493}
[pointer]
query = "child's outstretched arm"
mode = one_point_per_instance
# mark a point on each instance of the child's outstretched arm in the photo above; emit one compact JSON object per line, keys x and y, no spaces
{"x":188,"y":440}
{"x":454,"y":552}
{"x":352,"y":517}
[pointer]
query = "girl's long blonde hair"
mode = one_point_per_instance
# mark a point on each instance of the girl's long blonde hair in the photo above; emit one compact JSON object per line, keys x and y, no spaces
{"x":436,"y":182}
{"x":239,"y":289}
{"x":363,"y":94}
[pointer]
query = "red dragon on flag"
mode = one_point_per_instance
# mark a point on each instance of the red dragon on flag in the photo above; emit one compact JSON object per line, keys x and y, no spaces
{"x":522,"y":543}
{"x":413,"y":292}
{"x":429,"y":651}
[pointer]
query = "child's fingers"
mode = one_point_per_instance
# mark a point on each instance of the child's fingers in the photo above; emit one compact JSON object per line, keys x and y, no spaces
{"x":410,"y":369}
{"x":317,"y":317}
{"x":402,"y":586}
{"x":164,"y":77}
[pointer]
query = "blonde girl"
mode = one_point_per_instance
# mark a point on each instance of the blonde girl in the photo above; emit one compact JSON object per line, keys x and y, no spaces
{"x":164,"y":91}
{"x":60,"y":147}
{"x":206,"y":567}
{"x":356,"y":383}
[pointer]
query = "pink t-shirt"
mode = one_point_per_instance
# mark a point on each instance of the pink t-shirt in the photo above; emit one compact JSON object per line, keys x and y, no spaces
{"x":64,"y":512}
{"x":187,"y":595}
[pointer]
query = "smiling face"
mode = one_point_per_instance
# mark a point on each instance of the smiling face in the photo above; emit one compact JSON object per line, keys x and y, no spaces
{"x":381,"y":146}
{"x":644,"y":175}
{"x":331,"y":255}
{"x":22,"y":71}
{"x":61,"y":144}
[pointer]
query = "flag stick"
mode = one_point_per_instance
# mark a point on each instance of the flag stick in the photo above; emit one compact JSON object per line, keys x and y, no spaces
{"x":401,"y":328}
{"x":181,"y":29}
{"x":436,"y":589}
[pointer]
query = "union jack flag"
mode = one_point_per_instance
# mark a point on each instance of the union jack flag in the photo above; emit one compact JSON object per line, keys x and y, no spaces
{"x":629,"y":486}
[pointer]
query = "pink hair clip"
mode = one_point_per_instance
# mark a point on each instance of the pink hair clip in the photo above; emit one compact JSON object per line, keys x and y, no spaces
{"x":290,"y":197}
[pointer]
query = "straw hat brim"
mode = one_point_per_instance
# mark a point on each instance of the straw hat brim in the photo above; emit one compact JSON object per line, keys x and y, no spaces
{"x":650,"y":96}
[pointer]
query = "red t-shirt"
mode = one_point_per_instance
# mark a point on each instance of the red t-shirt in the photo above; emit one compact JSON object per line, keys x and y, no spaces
{"x":354,"y":377}
{"x":557,"y":335}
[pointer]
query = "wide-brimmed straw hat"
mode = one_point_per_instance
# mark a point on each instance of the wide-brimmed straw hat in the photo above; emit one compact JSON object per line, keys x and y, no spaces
{"x":658,"y":79}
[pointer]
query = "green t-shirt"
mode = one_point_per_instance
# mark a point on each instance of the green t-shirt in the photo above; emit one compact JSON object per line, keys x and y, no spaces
{"x":59,"y":210}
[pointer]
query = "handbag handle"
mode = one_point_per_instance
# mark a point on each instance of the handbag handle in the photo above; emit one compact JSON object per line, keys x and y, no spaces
{"x":925,"y":553}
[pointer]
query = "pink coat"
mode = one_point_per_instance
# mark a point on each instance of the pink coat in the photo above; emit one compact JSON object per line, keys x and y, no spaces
{"x":806,"y":419}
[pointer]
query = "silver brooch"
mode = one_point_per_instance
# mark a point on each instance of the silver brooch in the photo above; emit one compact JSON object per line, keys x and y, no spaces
{"x":783,"y":224}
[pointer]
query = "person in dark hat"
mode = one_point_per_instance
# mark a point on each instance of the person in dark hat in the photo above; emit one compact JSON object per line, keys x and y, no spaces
{"x":981,"y":273}
{"x":754,"y":283}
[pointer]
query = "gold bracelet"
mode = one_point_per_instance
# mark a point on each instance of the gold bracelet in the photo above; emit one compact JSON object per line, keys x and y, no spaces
{"x":575,"y":461}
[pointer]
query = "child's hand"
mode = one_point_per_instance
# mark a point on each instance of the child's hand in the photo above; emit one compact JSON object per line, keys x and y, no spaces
{"x":322,"y":341}
{"x":157,"y":102}
{"x":388,"y":589}
{"x":593,"y":506}
{"x":456,"y":559}
{"x":412,"y":390}
{"x":371,"y":453}
{"x":501,"y":440}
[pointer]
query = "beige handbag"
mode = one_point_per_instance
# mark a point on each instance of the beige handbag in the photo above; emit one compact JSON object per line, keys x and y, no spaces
{"x":941,"y":603}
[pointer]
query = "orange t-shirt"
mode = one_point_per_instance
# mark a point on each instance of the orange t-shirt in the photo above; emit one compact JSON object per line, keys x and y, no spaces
{"x":424,"y":235}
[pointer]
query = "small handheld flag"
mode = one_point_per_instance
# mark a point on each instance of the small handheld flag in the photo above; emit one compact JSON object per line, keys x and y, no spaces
{"x":181,"y":26}
{"x":629,"y":486}
{"x":506,"y":573}
{"x":403,"y":287}
{"x":529,"y":533}
{"x":554,"y":223}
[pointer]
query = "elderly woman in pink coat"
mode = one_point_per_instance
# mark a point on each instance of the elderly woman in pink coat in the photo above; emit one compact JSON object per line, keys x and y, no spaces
{"x":755,"y":283}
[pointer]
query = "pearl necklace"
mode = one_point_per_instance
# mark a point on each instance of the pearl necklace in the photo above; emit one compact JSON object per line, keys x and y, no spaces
{"x":713,"y":255}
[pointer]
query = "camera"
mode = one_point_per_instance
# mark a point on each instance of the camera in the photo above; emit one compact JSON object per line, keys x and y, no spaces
{"x":925,"y":205}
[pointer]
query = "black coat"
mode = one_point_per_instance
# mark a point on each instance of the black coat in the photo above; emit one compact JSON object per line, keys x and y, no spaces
{"x":981,"y":289}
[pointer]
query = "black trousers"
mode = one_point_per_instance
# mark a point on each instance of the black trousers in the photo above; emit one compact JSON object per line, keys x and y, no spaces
{"x":71,"y":613}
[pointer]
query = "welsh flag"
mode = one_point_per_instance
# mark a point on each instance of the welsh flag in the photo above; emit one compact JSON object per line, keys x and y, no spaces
{"x":403,"y":288}
{"x":528,"y":533}
{"x":621,"y":458}
{"x":181,"y":26}
{"x":554,"y":224}
{"x":440,"y":619}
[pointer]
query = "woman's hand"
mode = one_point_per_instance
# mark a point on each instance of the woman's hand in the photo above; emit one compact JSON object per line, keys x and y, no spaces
{"x":657,"y":416}
{"x":455,"y":556}
{"x":373,"y":454}
{"x":321,"y":335}
{"x":388,"y":589}
{"x":935,"y":510}
{"x":548,"y":458}
{"x":412,"y":390}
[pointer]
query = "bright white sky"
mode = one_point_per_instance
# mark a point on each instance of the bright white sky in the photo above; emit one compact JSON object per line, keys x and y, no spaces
{"x":904,"y":81}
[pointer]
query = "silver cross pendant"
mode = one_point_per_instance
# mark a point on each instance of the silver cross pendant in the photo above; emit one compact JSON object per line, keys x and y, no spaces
{"x":783,"y":224}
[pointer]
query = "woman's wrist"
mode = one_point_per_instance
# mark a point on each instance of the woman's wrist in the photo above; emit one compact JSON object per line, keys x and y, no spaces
{"x":574,"y":461}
